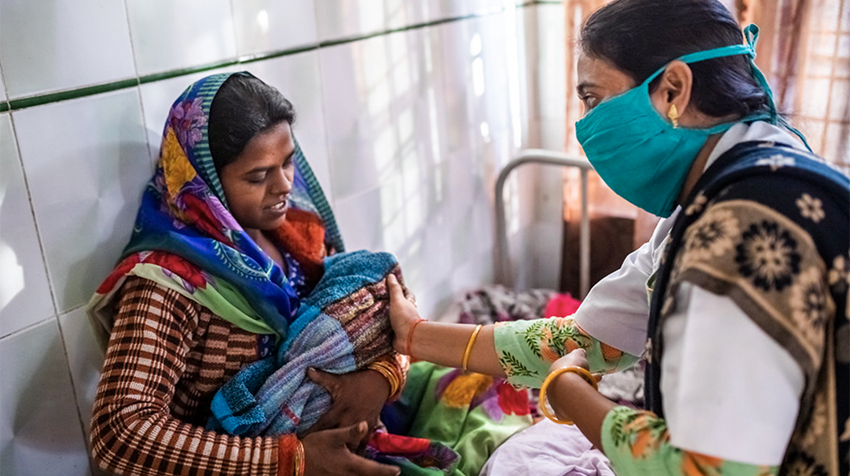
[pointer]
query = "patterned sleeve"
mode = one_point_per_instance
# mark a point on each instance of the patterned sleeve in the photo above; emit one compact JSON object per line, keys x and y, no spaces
{"x":637,"y":442}
{"x":133,"y":431}
{"x":526,"y":349}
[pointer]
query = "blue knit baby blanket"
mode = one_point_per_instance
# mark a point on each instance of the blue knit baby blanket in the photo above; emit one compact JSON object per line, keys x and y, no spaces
{"x":342,"y":326}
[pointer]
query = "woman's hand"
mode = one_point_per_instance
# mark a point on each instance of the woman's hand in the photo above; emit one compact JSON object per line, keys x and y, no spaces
{"x":357,"y":396}
{"x":576,"y":358}
{"x":555,"y":393}
{"x":403,"y":315}
{"x":331,"y":452}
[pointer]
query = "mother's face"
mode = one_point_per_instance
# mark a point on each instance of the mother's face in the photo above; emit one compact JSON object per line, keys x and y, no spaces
{"x":257,"y":184}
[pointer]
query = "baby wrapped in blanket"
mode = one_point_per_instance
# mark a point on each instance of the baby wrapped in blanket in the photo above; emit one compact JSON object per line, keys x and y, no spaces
{"x":342,"y":326}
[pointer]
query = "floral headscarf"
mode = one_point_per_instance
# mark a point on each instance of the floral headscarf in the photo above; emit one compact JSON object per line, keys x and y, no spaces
{"x":185,"y":238}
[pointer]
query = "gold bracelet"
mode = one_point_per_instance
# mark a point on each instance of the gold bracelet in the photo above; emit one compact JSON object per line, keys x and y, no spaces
{"x":469,"y":345}
{"x":298,"y":460}
{"x":389,"y":372}
{"x":580,"y":371}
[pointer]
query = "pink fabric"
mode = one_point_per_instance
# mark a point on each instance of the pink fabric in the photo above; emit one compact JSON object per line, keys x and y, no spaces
{"x":561,"y":305}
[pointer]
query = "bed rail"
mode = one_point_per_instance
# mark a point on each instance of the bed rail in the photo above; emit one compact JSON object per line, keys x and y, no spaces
{"x":502,"y":261}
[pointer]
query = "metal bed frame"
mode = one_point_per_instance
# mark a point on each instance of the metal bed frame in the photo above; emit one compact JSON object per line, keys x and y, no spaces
{"x":503,"y":266}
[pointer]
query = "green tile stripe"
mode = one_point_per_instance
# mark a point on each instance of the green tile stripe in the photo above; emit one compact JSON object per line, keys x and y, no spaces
{"x":76,"y":93}
{"x":40,"y":99}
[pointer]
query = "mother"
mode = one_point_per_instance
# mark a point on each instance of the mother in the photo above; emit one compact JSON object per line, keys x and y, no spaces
{"x":747,"y":334}
{"x":230,"y":235}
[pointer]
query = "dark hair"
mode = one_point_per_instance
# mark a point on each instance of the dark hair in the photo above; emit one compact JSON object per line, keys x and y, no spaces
{"x":641,"y":36}
{"x":243,"y":107}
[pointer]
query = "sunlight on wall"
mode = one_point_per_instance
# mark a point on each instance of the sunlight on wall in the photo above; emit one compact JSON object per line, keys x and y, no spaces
{"x":263,"y":21}
{"x":485,"y":131}
{"x":372,"y":76}
{"x":13,"y":275}
{"x":475,"y":45}
{"x":432,"y":120}
{"x":12,"y":282}
{"x":512,"y":56}
{"x":512,"y":197}
{"x":477,"y":65}
{"x":478,"y":76}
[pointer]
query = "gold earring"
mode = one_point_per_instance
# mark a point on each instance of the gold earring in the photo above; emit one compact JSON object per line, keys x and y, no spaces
{"x":673,"y":114}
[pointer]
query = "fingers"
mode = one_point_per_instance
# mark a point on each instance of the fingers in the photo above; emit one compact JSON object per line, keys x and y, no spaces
{"x":362,"y":466}
{"x":324,"y":379}
{"x":356,"y":433}
{"x":332,"y":452}
{"x":396,"y":293}
{"x":576,"y":357}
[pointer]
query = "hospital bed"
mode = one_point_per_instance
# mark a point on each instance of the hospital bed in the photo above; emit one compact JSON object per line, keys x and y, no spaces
{"x":503,"y":267}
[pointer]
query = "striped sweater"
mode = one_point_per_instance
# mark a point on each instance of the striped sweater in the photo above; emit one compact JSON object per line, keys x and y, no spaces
{"x":166,"y":358}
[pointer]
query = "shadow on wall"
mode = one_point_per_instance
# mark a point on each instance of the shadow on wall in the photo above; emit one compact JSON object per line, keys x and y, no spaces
{"x":85,"y":274}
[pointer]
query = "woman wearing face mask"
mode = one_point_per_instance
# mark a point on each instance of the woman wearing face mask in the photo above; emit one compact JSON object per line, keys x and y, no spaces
{"x":739,"y":300}
{"x":229,"y":241}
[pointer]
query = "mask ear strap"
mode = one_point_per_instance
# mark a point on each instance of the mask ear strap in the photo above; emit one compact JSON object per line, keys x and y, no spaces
{"x":751,"y":33}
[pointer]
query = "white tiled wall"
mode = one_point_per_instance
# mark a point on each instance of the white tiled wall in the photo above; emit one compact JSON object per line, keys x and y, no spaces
{"x":24,"y":295}
{"x":406,"y":132}
{"x":258,"y":25}
{"x":59,"y":45}
{"x":171,"y":35}
{"x":83,"y":159}
{"x":41,"y":426}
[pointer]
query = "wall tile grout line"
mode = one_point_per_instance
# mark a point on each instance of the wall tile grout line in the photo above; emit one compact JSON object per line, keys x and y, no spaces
{"x":139,"y":83}
{"x":29,"y":327}
{"x":333,"y":199}
{"x":76,"y":93}
{"x":34,"y":218}
{"x":4,"y":105}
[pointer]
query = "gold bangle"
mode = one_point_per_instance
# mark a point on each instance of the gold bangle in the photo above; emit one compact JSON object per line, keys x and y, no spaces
{"x":469,"y":345}
{"x":389,"y":372}
{"x":580,"y":371}
{"x":298,"y":460}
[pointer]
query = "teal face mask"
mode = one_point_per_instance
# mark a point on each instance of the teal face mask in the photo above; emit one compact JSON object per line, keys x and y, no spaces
{"x":641,"y":156}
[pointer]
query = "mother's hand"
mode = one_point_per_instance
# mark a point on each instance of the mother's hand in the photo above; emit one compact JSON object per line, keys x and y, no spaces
{"x":331,"y":452}
{"x":357,"y":396}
